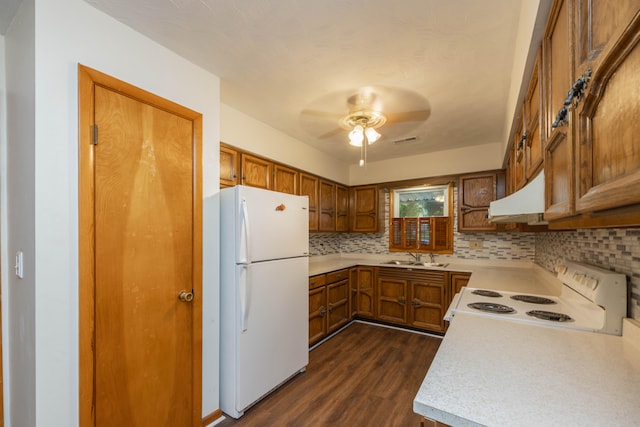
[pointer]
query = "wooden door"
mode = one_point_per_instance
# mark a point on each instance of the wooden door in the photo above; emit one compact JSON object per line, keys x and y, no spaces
{"x":338,"y":306}
{"x":391,"y":297}
{"x":229,"y":165}
{"x":285,"y":180}
{"x":327,"y":219}
{"x":256,"y":172}
{"x":317,"y":314}
{"x":366,"y":291}
{"x":140,"y":249}
{"x":342,"y":208}
{"x":428,"y":302}
{"x":364,"y":208}
{"x":309,"y":187}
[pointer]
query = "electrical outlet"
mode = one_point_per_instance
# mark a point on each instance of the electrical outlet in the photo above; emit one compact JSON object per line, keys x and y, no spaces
{"x":475,"y":244}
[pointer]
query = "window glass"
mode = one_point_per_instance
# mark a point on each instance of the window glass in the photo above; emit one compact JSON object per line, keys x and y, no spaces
{"x":416,"y":202}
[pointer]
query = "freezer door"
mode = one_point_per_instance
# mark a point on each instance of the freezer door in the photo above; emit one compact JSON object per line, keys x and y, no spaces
{"x":272,"y":225}
{"x":272,"y":327}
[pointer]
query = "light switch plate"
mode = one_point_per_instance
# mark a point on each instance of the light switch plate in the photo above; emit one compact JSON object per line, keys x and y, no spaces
{"x":476,"y":244}
{"x":19,"y":264}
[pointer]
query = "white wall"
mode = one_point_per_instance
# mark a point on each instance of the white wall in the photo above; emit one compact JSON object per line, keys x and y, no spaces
{"x":243,"y":131}
{"x":461,"y":160}
{"x":42,"y":189}
{"x":4,"y":265}
{"x":21,"y":211}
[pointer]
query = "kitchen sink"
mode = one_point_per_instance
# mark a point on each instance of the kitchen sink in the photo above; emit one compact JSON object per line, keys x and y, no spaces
{"x":416,"y":263}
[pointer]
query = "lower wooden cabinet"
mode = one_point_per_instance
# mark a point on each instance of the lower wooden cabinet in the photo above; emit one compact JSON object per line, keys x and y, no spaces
{"x":458,"y":281}
{"x":329,"y":304}
{"x":364,"y":287}
{"x":410,"y":297}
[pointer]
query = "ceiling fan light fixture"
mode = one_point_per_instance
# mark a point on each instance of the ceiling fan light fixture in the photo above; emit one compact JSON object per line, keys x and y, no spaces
{"x":356,"y":136}
{"x":372,"y":135}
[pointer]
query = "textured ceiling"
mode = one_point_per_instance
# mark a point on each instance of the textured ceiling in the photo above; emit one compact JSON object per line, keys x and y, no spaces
{"x":293,"y":64}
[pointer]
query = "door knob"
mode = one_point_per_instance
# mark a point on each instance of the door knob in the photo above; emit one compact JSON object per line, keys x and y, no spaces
{"x":185,"y":296}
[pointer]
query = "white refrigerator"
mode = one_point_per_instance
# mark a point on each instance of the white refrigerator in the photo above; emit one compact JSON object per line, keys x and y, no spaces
{"x":264,"y":248}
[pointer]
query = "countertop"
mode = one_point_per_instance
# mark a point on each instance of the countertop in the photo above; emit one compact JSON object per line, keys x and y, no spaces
{"x":512,"y":276}
{"x":491,"y":372}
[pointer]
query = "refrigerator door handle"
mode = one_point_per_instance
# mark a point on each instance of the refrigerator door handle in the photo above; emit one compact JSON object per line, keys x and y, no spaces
{"x":245,"y":296}
{"x":244,"y":255}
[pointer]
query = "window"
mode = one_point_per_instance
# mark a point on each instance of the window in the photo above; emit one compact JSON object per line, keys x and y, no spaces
{"x":421,"y":219}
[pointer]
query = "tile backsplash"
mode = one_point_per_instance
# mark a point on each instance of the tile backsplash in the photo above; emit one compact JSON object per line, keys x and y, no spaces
{"x":614,"y":249}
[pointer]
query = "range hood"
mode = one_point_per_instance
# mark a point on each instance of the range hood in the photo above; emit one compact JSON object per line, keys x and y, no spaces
{"x":524,"y":206}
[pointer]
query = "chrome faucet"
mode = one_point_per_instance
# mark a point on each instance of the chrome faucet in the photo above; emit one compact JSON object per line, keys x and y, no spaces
{"x":417,"y":256}
{"x":432,"y":257}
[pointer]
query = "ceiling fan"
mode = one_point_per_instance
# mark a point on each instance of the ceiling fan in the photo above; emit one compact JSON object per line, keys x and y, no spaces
{"x":365,"y":115}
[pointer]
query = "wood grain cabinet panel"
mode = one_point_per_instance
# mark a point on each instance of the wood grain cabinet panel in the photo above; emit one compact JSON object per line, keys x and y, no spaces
{"x":342,"y":208}
{"x":338,"y":304}
{"x":475,"y":193}
{"x":533,"y":149}
{"x":317,"y":314}
{"x":309,"y":185}
{"x":558,"y":72}
{"x":285,"y":180}
{"x":364,"y":209}
{"x":392,"y":298}
{"x":327,"y":202}
{"x":365,"y":287}
{"x":256,"y":172}
{"x":229,"y":166}
{"x":607,"y":128}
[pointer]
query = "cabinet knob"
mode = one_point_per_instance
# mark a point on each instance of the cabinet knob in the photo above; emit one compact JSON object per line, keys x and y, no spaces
{"x":323,"y":311}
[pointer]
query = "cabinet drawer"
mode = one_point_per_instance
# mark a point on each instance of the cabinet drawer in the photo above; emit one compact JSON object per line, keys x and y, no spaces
{"x":336,"y":276}
{"x":317,"y":281}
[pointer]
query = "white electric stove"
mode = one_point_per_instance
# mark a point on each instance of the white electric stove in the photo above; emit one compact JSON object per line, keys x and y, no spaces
{"x":592,"y":299}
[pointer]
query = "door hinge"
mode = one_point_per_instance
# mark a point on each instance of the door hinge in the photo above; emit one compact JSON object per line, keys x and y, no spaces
{"x":95,"y":135}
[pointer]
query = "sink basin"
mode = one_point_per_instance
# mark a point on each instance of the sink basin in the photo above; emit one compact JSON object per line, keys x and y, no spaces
{"x":422,"y":264}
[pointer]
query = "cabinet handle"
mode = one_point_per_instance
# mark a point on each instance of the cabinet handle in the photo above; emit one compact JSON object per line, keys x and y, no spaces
{"x":323,"y":311}
{"x":330,"y":308}
{"x":372,"y":213}
{"x":415,"y":303}
{"x":402,"y":301}
{"x":573,"y":98}
{"x":464,"y":209}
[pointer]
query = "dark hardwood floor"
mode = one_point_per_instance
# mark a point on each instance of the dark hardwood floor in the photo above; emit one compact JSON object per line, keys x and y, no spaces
{"x":367,"y":375}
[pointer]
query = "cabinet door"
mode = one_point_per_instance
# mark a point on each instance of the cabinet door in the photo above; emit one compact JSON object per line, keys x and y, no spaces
{"x":285,"y":180}
{"x":342,"y":208}
{"x":353,"y":284}
{"x":441,"y":240}
{"x":519,"y":146}
{"x":458,"y":281}
{"x":533,"y":150}
{"x":476,"y":191}
{"x":256,"y":172}
{"x":364,"y":208}
{"x":229,"y":163}
{"x":607,"y":128}
{"x":327,"y":220}
{"x":558,"y":162}
{"x":366,"y":291}
{"x":338,"y":306}
{"x":309,"y":188}
{"x":317,"y":314}
{"x":428,"y":304}
{"x":391,"y":299}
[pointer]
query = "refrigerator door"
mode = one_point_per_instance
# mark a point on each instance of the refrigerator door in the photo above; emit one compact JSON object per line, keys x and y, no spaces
{"x":272,"y":225}
{"x":271,"y":328}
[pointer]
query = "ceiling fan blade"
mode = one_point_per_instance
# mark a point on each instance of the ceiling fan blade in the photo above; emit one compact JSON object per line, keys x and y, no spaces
{"x":326,"y":114}
{"x":332,"y":133}
{"x":408,"y":116}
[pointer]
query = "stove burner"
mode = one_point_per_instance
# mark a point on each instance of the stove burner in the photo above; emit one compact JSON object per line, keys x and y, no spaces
{"x":486,"y":293}
{"x":493,"y":308}
{"x":533,"y":299}
{"x":549,"y":315}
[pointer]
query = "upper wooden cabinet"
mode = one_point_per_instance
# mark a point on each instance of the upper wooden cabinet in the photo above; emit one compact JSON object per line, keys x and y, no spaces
{"x":558,"y":73}
{"x":533,"y":143}
{"x":607,"y":125}
{"x":327,"y":203}
{"x":285,"y":180}
{"x":342,"y":208}
{"x":256,"y":172}
{"x":363,"y":202}
{"x":309,"y":186}
{"x":475,"y":192}
{"x":229,"y":166}
{"x":591,"y":58}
